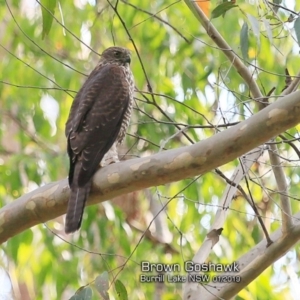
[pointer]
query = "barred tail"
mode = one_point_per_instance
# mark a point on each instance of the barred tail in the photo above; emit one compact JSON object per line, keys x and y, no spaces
{"x":76,"y":204}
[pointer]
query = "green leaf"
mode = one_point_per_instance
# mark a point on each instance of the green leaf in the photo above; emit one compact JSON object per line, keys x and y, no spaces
{"x":121,"y":290}
{"x":84,"y":293}
{"x":102,"y":285}
{"x":244,"y":41}
{"x":297,"y":29}
{"x":47,"y":7}
{"x":255,"y":27}
{"x":271,"y":17}
{"x":222,"y":9}
{"x":268,"y":29}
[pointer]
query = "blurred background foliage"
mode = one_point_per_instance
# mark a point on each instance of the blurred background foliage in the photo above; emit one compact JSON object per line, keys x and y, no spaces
{"x":195,"y":89}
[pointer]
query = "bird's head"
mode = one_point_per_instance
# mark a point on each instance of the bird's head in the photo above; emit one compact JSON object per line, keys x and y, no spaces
{"x":117,"y":55}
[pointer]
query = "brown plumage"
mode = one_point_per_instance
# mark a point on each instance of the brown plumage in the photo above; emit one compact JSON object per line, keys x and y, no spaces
{"x":98,"y":120}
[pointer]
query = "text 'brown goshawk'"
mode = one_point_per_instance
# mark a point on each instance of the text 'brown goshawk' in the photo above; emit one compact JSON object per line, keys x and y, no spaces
{"x":97,"y":122}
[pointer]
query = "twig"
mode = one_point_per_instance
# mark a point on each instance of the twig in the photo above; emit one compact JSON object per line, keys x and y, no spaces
{"x":38,"y":46}
{"x":262,"y":224}
{"x":32,"y":136}
{"x":143,"y":68}
{"x":164,"y":142}
{"x":164,"y":114}
{"x":36,"y":87}
{"x":254,"y":262}
{"x":221,"y":214}
{"x":190,"y":291}
{"x":156,"y":17}
{"x":282,"y":7}
{"x":144,"y":139}
{"x":293,"y":86}
{"x":246,"y":75}
{"x":249,"y":200}
{"x":220,"y":41}
{"x":29,"y":66}
{"x":285,"y":140}
{"x":287,"y":221}
{"x":135,"y":47}
{"x":67,"y":29}
{"x":176,"y":101}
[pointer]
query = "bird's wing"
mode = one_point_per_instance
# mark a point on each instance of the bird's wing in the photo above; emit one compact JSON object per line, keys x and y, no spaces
{"x":95,"y":121}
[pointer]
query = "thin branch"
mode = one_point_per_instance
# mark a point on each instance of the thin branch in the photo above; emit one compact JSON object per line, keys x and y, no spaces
{"x":155,"y":121}
{"x":176,"y":101}
{"x":249,"y":200}
{"x":156,"y":17}
{"x":226,"y":49}
{"x":192,"y":291}
{"x":144,"y":139}
{"x":163,"y":143}
{"x":287,"y":221}
{"x":153,"y":102}
{"x":284,"y":8}
{"x":284,"y":141}
{"x":29,"y":66}
{"x":135,"y":47}
{"x":151,"y":222}
{"x":244,"y":73}
{"x":252,"y":203}
{"x":249,"y":63}
{"x":293,"y":86}
{"x":37,"y":87}
{"x":143,"y":68}
{"x":221,"y":214}
{"x":253,"y":263}
{"x":290,"y":142}
{"x":38,"y":46}
{"x":167,"y":117}
{"x":66,"y":28}
{"x":37,"y":140}
{"x":243,"y":193}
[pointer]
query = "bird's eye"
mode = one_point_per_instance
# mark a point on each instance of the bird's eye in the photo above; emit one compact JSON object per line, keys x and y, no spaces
{"x":117,"y":53}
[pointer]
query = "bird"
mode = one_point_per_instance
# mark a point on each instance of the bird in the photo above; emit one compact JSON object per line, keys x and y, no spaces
{"x":97,"y":122}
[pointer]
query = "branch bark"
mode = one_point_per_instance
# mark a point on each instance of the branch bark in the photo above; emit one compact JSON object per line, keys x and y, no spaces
{"x":191,"y":289}
{"x":50,"y":201}
{"x":252,"y":264}
{"x":286,"y":214}
{"x":256,"y":93}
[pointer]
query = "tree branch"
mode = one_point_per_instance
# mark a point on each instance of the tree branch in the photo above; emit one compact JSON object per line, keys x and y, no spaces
{"x":227,"y":50}
{"x":287,"y":222}
{"x":292,"y":86}
{"x":255,"y":91}
{"x":220,"y":218}
{"x":251,"y":265}
{"x":50,"y":201}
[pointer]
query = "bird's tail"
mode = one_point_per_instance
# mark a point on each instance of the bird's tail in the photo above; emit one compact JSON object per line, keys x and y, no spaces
{"x":76,"y":204}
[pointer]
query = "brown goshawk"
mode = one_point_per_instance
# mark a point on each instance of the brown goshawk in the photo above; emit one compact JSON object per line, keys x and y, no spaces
{"x":97,"y":122}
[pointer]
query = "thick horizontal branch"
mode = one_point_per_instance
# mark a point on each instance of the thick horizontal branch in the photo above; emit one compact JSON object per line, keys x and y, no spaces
{"x":50,"y":201}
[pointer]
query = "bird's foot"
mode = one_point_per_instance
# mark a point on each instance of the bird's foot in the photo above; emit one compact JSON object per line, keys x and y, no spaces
{"x":109,"y":158}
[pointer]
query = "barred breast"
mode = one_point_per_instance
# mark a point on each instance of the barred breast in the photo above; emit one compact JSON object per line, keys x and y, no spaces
{"x":126,"y":119}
